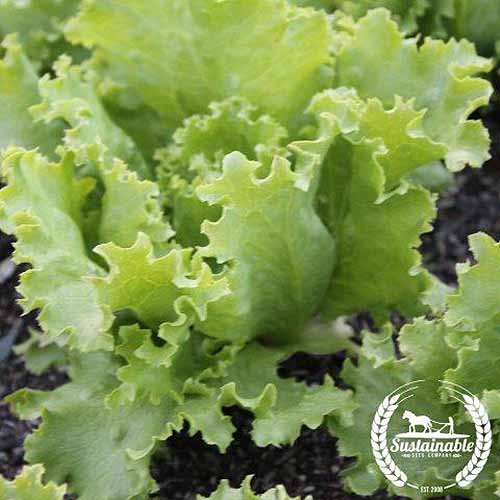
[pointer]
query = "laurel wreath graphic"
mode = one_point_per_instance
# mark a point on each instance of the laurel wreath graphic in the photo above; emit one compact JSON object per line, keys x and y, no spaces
{"x":484,"y":441}
{"x":384,"y":413}
{"x":379,"y":441}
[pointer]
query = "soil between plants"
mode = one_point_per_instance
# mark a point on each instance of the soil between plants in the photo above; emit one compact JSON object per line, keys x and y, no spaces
{"x":187,"y":466}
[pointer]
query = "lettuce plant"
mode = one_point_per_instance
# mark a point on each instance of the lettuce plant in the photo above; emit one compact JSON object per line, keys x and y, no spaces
{"x":201,"y":198}
{"x":476,"y":20}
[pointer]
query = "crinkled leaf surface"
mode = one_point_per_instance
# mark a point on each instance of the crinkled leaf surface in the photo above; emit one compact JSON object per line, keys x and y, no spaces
{"x":39,"y":24}
{"x":406,"y":12}
{"x":130,"y":206}
{"x":41,"y":202}
{"x":278,"y":254}
{"x":375,"y":217}
{"x":39,"y":356}
{"x":105,"y":450}
{"x":195,"y":157}
{"x":186,"y":61}
{"x":28,"y":486}
{"x":72,"y":96}
{"x":157,"y":289}
{"x":478,"y":298}
{"x":19,"y":91}
{"x":226,"y":492}
{"x":478,"y":21}
{"x":439,"y":76}
{"x":281,"y":406}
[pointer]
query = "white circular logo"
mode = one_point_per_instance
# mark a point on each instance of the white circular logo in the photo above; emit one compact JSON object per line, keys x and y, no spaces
{"x":429,"y":437}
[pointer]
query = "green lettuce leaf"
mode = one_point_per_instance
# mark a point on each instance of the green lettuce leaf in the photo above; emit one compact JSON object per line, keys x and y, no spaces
{"x":130,"y":206}
{"x":478,"y":21}
{"x":195,"y":155}
{"x":476,"y":301}
{"x":439,"y":76}
{"x":186,"y":61}
{"x":19,"y":91}
{"x":225,"y":492}
{"x":407,"y":13}
{"x":157,"y":290}
{"x":39,"y":24}
{"x":39,"y":355}
{"x":42,"y":206}
{"x":104,"y":450}
{"x":28,"y":486}
{"x":375,"y":216}
{"x":93,"y":137}
{"x":280,"y":406}
{"x":278,"y":254}
{"x":377,"y":373}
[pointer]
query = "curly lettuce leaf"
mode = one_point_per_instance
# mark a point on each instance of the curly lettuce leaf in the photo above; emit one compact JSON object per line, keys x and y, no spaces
{"x":19,"y":91}
{"x":186,"y":61}
{"x":157,"y":289}
{"x":195,"y":154}
{"x":225,"y":492}
{"x":278,"y":256}
{"x":41,"y":205}
{"x":407,"y":13}
{"x":439,"y":76}
{"x":93,"y":137}
{"x":28,"y":485}
{"x":104,"y":451}
{"x":39,"y":24}
{"x":375,"y":216}
{"x":180,"y":366}
{"x":130,"y":206}
{"x":478,"y":21}
{"x":476,"y":301}
{"x":280,"y":406}
{"x":39,"y":355}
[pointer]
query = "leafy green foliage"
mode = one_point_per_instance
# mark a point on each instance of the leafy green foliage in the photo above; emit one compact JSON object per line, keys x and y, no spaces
{"x":28,"y":485}
{"x":476,"y":20}
{"x":245,"y":492}
{"x":204,"y":197}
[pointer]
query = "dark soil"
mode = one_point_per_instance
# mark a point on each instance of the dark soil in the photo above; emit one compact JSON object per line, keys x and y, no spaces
{"x":311,"y":466}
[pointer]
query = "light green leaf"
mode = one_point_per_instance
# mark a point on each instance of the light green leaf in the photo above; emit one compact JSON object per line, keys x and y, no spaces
{"x":491,"y":399}
{"x":478,"y":366}
{"x":478,"y":21}
{"x":375,"y":217}
{"x":278,"y":256}
{"x":478,"y":298}
{"x":104,"y":451}
{"x":186,"y":61}
{"x":424,"y":345}
{"x":180,"y":366}
{"x":28,"y":486}
{"x":281,"y":406}
{"x":93,"y":138}
{"x":196,"y":153}
{"x":41,"y":205}
{"x":225,"y":492}
{"x":38,"y":355}
{"x":407,"y":13}
{"x":19,"y":91}
{"x":157,"y":290}
{"x":39,"y":24}
{"x":439,"y":76}
{"x":130,"y":206}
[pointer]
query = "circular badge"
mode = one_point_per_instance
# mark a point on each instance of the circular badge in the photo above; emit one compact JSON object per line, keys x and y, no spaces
{"x":412,"y":429}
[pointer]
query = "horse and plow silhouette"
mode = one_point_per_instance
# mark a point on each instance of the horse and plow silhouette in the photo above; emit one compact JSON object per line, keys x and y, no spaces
{"x":422,"y":426}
